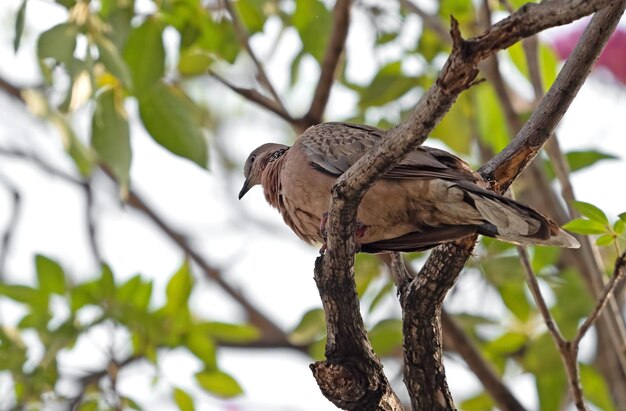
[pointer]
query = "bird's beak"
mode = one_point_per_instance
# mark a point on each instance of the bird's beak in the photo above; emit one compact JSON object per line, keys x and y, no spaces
{"x":246,"y":187}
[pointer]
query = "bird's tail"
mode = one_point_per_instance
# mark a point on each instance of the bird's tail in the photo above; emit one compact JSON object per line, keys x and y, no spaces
{"x":514,"y":222}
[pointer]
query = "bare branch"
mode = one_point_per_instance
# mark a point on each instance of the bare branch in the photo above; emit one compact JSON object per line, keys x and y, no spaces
{"x":10,"y":89}
{"x":568,"y":350}
{"x":244,"y":39}
{"x":334,"y":49}
{"x":7,"y":236}
{"x":91,"y":222}
{"x":618,"y":275}
{"x":256,"y":97}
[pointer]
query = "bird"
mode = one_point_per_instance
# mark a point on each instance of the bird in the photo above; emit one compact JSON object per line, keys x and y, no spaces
{"x":429,"y":198}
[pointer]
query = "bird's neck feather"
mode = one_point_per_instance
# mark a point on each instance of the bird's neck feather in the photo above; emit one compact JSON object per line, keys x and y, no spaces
{"x":270,"y":180}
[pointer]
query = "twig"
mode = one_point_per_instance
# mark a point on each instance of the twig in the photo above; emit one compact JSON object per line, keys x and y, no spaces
{"x":11,"y":90}
{"x":7,"y":236}
{"x":568,"y":350}
{"x":256,"y":97}
{"x":590,"y":264}
{"x":41,"y":163}
{"x":334,"y":49}
{"x":244,"y":39}
{"x":91,"y":222}
{"x":618,"y":275}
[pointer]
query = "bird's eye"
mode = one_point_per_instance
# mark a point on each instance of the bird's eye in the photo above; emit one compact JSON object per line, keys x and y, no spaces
{"x":252,"y":159}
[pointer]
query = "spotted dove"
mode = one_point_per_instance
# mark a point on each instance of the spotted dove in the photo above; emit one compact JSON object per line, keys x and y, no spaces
{"x":429,"y":198}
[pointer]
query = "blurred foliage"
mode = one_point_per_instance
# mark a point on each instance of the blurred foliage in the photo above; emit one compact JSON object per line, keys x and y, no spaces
{"x":108,"y":53}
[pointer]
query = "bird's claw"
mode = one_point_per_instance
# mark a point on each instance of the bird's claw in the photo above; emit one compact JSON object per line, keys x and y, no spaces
{"x":359,"y":232}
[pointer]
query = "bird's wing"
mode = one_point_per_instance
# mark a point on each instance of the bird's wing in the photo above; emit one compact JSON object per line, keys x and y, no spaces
{"x":334,"y":147}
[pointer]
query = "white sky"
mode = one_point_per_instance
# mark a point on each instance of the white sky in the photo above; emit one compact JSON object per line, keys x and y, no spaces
{"x":271,"y":265}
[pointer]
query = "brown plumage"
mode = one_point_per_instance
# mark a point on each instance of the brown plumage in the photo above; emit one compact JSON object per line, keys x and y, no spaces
{"x":429,"y":198}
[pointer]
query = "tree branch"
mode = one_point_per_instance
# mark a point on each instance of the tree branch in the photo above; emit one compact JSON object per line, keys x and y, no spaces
{"x":618,"y":275}
{"x":258,"y":98}
{"x":334,"y":49}
{"x":244,"y":39}
{"x":444,"y":264}
{"x":7,"y":236}
{"x":455,"y":339}
{"x":568,"y":350}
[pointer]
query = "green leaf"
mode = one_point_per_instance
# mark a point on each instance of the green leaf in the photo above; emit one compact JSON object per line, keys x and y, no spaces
{"x":507,"y":344}
{"x":183,"y":400}
{"x":145,"y":55}
{"x":50,"y":275}
{"x":591,"y":212}
{"x":463,"y":11}
{"x":571,"y":288}
{"x":106,"y":282}
{"x":491,"y":121}
{"x":135,"y":292}
{"x":551,"y":389}
{"x":619,"y":227}
{"x":386,"y":337}
{"x":194,"y":61}
{"x":548,"y":65}
{"x":58,"y":43}
{"x":110,"y":135}
{"x":388,"y":85}
{"x":311,"y":327}
{"x":581,"y":226}
{"x":67,"y":3}
{"x":230,"y":333}
{"x":179,"y":289}
{"x":19,"y":25}
{"x":219,"y":383}
{"x":313,"y":21}
{"x":203,"y":347}
{"x":112,"y":60}
{"x":430,"y":45}
{"x":219,"y":39}
{"x":622,"y":217}
{"x":514,"y":296}
{"x":595,"y":388}
{"x":480,"y":402}
{"x":19,"y":293}
{"x":582,"y":159}
{"x":605,"y":240}
{"x":89,"y":405}
{"x":453,"y":129}
{"x":251,"y":13}
{"x":173,"y":120}
{"x":366,"y":269}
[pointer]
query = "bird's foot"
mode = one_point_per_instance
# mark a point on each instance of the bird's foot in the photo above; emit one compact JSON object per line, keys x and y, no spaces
{"x":323,"y":222}
{"x":359,"y":232}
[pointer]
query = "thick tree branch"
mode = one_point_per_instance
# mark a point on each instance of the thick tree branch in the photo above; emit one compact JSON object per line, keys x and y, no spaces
{"x":334,"y":49}
{"x":456,"y":339}
{"x":444,"y":264}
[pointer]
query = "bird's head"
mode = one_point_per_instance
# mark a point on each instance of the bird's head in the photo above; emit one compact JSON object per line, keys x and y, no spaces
{"x":256,"y":163}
